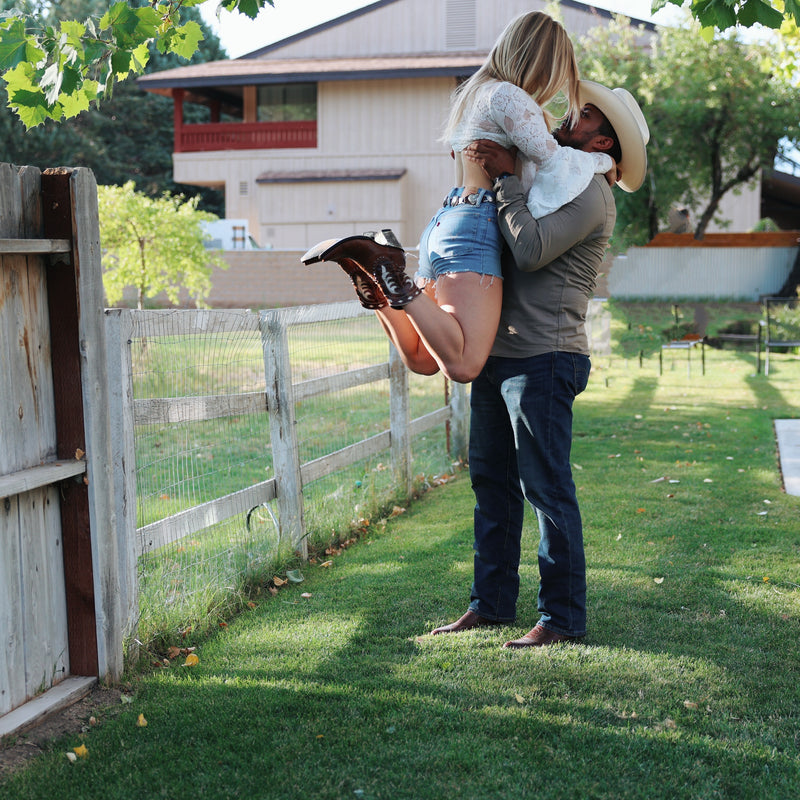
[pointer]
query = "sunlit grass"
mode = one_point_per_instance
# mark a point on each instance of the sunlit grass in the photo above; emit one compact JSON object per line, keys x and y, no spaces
{"x":685,"y":686}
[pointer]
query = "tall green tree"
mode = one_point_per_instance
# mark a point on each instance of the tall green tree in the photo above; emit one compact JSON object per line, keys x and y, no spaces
{"x":716,"y":117}
{"x":155,"y":245}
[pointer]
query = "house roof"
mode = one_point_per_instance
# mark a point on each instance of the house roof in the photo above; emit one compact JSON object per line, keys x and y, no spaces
{"x":235,"y":72}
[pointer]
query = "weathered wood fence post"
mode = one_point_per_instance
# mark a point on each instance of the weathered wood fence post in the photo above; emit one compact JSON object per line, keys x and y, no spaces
{"x":283,"y":433}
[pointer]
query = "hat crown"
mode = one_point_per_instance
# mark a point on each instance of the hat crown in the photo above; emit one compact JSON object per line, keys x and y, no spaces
{"x":636,"y":112}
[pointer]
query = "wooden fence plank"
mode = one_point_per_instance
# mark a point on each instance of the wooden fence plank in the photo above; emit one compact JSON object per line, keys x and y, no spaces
{"x":340,"y":381}
{"x":320,"y":467}
{"x":171,"y":410}
{"x":27,"y":480}
{"x":283,"y":434}
{"x":34,"y":246}
{"x":12,"y":645}
{"x":185,"y":523}
{"x":44,"y":613}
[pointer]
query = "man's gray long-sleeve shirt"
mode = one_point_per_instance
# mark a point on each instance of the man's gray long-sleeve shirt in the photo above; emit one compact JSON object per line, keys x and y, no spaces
{"x":550,"y":269}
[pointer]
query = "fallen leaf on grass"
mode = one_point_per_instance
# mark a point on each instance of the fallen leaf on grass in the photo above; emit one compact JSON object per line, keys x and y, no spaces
{"x":278,"y":581}
{"x":306,"y":594}
{"x":81,"y":751}
{"x":173,"y":652}
{"x":658,"y":580}
{"x":520,"y":699}
{"x":251,"y":604}
{"x":396,"y":511}
{"x":72,"y":757}
{"x":141,"y":722}
{"x":326,"y":564}
{"x":191,"y":660}
{"x":689,"y":704}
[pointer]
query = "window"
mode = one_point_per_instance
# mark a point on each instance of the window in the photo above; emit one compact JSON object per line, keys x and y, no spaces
{"x":288,"y":102}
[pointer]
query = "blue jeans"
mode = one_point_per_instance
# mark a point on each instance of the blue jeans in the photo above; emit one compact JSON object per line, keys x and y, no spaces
{"x":462,"y":238}
{"x":519,"y":449}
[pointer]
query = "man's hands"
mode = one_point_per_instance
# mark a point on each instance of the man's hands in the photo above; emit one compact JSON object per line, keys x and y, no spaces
{"x":492,"y":157}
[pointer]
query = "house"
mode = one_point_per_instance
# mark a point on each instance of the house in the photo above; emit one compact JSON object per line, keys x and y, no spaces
{"x":335,"y":130}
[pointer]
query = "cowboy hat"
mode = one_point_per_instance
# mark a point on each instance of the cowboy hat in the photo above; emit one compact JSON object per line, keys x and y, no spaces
{"x":622,"y":111}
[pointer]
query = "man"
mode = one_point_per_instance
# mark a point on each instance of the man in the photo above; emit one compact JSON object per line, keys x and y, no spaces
{"x":521,"y":424}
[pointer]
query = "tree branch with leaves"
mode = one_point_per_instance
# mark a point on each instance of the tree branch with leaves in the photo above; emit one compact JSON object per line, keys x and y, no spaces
{"x":56,"y":70}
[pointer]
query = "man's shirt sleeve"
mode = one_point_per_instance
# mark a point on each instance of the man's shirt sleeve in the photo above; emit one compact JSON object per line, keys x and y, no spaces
{"x":535,"y":243}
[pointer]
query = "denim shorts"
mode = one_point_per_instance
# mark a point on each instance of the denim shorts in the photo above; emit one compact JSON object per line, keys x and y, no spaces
{"x":462,"y":238}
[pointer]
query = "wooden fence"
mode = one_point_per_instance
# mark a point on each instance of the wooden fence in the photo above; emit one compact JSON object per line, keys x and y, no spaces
{"x":60,"y":605}
{"x":124,"y":326}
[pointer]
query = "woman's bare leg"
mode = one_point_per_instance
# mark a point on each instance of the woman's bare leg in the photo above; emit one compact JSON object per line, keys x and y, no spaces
{"x":459,"y":328}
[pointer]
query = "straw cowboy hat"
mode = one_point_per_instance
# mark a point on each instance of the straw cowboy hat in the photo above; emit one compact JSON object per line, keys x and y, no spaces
{"x":625,"y":116}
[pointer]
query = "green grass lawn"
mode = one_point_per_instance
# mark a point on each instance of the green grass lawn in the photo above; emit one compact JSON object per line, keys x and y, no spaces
{"x":686,"y":685}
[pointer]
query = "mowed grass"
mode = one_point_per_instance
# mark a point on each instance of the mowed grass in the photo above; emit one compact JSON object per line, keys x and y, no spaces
{"x":685,"y":686}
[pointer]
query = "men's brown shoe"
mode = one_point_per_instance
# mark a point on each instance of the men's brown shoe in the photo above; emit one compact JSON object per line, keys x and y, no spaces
{"x":467,"y":622}
{"x":540,"y":637}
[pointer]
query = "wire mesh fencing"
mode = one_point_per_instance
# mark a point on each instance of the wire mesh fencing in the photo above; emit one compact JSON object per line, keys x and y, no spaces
{"x":208,"y":527}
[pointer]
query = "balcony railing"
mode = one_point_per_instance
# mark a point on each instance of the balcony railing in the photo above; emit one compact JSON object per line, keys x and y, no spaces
{"x":245,"y":136}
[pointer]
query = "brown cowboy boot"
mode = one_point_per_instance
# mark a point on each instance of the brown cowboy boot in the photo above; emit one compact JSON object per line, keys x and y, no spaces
{"x":379,"y":255}
{"x":368,"y":292}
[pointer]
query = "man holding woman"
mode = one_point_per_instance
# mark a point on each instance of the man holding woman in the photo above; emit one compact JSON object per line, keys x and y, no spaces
{"x":530,"y":326}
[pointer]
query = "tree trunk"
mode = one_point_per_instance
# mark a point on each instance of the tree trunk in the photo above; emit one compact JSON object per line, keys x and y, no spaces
{"x":789,"y":288}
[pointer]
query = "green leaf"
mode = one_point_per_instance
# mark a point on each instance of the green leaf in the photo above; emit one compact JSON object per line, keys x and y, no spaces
{"x":17,"y":46}
{"x":249,"y":8}
{"x":756,"y":11}
{"x":186,"y":39}
{"x":76,"y":102}
{"x":32,"y":108}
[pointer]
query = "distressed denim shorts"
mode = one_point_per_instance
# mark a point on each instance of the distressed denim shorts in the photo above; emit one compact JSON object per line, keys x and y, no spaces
{"x":461,"y":238}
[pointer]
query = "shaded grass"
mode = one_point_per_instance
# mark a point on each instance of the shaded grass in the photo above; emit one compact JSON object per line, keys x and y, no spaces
{"x":685,"y":687}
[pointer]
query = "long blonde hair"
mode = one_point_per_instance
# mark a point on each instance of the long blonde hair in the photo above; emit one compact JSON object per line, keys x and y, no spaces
{"x":535,"y":53}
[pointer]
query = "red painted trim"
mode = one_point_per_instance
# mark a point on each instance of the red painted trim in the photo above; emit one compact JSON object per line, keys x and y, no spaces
{"x":245,"y":136}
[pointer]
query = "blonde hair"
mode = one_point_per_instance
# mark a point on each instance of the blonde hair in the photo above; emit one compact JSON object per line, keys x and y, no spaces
{"x":535,"y":53}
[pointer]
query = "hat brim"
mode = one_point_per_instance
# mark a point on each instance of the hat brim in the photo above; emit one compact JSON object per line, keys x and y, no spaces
{"x":631,"y":140}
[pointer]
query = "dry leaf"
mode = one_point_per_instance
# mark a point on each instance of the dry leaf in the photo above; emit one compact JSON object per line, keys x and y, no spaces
{"x":79,"y":454}
{"x":251,"y":604}
{"x":689,"y":704}
{"x":658,"y":580}
{"x":223,"y":624}
{"x":306,"y":594}
{"x":191,"y":660}
{"x":396,"y":511}
{"x":272,"y":590}
{"x":326,"y":564}
{"x":81,"y":751}
{"x":141,"y":722}
{"x":173,"y":652}
{"x":519,"y":698}
{"x":72,"y":757}
{"x":278,"y":581}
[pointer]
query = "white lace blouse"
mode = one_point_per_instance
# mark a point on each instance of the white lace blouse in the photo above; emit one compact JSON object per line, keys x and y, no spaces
{"x":551,"y":175}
